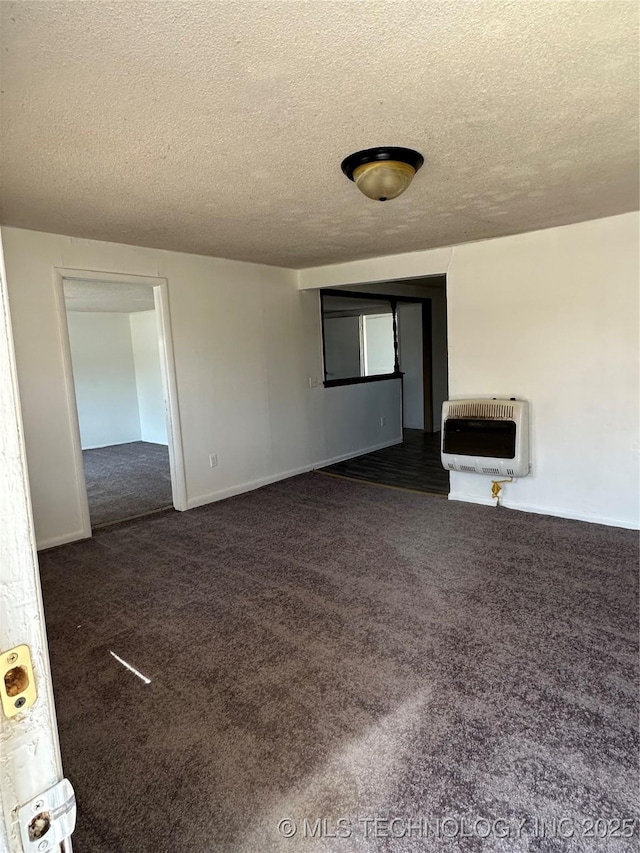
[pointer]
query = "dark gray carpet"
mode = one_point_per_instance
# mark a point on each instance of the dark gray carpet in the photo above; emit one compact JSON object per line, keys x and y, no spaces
{"x":126,"y":480}
{"x":414,"y":464}
{"x":321,"y":648}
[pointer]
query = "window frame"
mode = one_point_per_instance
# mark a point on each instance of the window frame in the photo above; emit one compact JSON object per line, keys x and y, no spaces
{"x":357,"y":380}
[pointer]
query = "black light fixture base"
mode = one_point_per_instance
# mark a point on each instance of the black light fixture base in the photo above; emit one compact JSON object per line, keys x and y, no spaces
{"x":386,"y":152}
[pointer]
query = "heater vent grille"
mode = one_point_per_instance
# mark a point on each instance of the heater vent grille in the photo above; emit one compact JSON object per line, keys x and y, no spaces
{"x":486,"y":436}
{"x":491,"y":409}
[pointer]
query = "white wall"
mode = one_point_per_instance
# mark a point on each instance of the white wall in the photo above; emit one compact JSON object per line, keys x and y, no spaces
{"x":222,"y":345}
{"x":148,"y":376}
{"x":410,"y":351}
{"x":552,"y":317}
{"x":104,"y":378}
{"x":246,"y":343}
{"x":353,"y":414}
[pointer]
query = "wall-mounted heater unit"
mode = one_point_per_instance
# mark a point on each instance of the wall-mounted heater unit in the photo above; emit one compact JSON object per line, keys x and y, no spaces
{"x":486,"y":437}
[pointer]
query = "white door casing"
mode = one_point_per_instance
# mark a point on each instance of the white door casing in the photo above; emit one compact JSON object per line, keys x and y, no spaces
{"x":167,"y":363}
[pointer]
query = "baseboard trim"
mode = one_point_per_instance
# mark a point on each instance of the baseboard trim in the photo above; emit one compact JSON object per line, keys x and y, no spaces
{"x":55,"y":541}
{"x":550,"y":511}
{"x":471,"y":499}
{"x":112,"y":444}
{"x":119,"y":443}
{"x":240,"y":489}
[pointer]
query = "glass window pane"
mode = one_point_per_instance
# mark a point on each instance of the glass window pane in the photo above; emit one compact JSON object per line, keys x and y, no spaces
{"x":378,"y":344}
{"x":358,"y":336}
{"x":342,"y":347}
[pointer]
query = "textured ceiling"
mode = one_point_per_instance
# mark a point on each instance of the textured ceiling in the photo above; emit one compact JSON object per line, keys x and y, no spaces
{"x":218,"y":127}
{"x":109,"y":296}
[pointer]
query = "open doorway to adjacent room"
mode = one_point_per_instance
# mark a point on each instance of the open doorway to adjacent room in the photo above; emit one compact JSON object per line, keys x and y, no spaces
{"x":121,"y":377}
{"x":395,"y":330}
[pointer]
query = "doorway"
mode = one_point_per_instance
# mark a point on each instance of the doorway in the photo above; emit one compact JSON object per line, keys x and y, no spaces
{"x":416,"y":364}
{"x":416,"y":327}
{"x":121,"y":394}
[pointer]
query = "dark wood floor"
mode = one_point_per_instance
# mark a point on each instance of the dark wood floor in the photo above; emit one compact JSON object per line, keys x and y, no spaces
{"x":414,"y":464}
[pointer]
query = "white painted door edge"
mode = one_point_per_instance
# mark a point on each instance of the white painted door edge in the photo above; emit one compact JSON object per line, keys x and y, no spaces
{"x":31,"y":760}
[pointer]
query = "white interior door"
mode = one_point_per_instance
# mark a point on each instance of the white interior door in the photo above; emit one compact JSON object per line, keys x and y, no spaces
{"x":31,"y":761}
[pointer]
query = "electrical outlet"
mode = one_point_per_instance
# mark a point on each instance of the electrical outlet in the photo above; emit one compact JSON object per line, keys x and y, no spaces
{"x":213,"y":460}
{"x":382,"y":421}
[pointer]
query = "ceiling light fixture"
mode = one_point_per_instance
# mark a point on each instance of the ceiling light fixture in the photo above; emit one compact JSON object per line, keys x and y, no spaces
{"x":382,"y":173}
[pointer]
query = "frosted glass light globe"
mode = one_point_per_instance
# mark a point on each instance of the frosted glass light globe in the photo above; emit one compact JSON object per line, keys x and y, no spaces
{"x":384,"y":172}
{"x":383,"y":179}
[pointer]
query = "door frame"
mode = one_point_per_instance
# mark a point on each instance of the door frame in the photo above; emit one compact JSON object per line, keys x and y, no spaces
{"x":427,"y":365}
{"x":160,"y":288}
{"x":427,"y":341}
